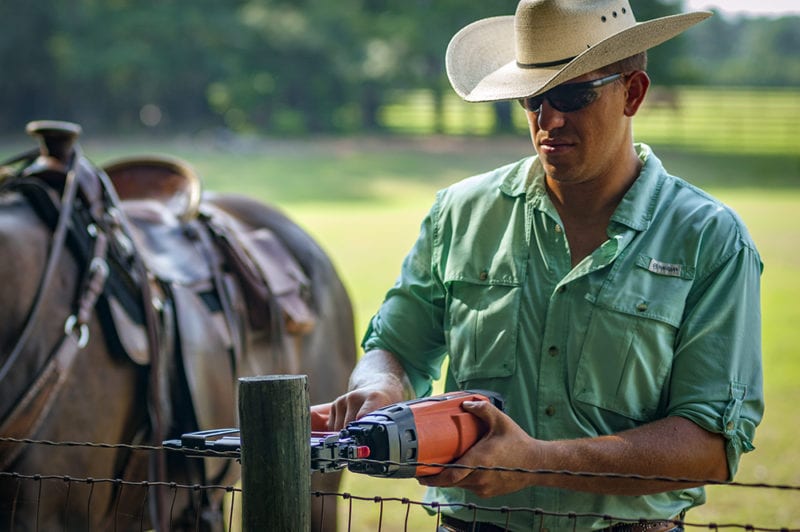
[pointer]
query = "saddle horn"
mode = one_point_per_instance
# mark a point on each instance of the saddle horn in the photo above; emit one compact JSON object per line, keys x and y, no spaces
{"x":56,"y":138}
{"x":56,"y":146}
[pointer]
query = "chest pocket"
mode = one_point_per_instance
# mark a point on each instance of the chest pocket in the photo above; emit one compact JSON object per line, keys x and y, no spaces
{"x":626,"y":357}
{"x":482,"y":325}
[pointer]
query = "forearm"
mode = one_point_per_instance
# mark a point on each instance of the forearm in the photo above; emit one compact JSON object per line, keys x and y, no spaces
{"x":672,"y":448}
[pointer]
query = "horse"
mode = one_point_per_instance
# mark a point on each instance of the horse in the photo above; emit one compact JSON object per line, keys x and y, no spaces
{"x":131,"y":302}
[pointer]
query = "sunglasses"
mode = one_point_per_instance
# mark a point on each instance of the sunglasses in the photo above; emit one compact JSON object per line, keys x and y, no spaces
{"x":570,"y":97}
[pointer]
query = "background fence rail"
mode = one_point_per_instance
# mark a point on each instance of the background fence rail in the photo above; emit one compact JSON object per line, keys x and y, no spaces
{"x":713,"y":119}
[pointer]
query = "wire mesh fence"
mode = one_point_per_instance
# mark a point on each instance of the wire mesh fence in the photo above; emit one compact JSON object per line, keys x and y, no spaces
{"x":27,"y":514}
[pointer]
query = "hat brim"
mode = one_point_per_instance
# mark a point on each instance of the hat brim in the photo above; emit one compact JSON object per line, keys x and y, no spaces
{"x":481,"y":59}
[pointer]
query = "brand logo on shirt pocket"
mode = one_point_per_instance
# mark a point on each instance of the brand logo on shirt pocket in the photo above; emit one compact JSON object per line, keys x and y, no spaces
{"x":669,"y":269}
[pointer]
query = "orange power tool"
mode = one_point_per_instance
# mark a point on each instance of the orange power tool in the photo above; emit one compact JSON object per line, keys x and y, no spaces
{"x":398,"y":441}
{"x":401,"y":438}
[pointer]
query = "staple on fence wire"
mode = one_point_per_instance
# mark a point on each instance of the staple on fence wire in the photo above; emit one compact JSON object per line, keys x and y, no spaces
{"x":174,"y":487}
{"x":197,"y":498}
{"x":380,"y":514}
{"x":65,"y":517}
{"x":117,"y":496}
{"x":89,"y":481}
{"x":232,"y":504}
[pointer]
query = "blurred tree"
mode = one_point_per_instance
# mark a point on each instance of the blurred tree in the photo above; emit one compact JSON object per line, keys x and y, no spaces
{"x":425,"y":27}
{"x":297,"y":66}
{"x":746,"y":51}
{"x":664,"y":61}
{"x":28,"y":68}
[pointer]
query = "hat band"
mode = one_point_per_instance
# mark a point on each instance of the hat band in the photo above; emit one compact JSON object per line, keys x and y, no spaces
{"x":545,"y":65}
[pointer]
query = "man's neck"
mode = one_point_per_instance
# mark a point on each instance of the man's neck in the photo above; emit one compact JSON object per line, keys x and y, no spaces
{"x":595,"y":200}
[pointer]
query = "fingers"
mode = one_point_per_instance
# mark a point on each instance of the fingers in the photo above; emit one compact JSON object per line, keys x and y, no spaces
{"x":482,"y":409}
{"x":356,"y":404}
{"x":343,"y":410}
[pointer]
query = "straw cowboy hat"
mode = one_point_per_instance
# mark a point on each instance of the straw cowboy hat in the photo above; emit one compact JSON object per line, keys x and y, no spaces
{"x":548,"y":42}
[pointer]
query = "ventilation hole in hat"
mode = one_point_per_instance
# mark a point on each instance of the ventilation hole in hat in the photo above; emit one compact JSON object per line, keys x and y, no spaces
{"x":603,"y":18}
{"x":624,"y":10}
{"x":614,"y":14}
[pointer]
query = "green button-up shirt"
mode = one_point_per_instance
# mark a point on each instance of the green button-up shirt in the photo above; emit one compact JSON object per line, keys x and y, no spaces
{"x":663,"y":319}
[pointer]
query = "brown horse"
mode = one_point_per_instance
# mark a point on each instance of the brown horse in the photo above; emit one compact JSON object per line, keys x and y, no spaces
{"x":128,"y":319}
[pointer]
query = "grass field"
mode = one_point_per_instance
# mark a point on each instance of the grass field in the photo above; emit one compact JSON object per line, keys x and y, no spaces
{"x":364,"y":198}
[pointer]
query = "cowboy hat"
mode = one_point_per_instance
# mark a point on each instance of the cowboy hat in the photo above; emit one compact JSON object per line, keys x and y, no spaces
{"x":548,"y":42}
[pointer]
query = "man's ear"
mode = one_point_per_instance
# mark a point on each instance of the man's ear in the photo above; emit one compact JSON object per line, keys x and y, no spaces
{"x":637,"y":84}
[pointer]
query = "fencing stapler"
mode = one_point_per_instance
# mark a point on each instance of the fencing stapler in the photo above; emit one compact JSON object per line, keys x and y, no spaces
{"x":406,"y":439}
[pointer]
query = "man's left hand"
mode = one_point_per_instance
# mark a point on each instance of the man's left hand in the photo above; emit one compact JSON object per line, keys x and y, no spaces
{"x":504,"y":445}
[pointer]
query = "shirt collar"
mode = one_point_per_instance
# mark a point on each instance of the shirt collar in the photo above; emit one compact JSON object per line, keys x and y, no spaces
{"x":521,"y":176}
{"x":637,"y":208}
{"x":638,"y":205}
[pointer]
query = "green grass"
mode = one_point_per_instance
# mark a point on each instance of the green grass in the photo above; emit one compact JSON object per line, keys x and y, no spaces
{"x":363,"y":199}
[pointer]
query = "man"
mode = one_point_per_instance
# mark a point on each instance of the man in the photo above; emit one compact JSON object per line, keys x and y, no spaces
{"x":615,"y":307}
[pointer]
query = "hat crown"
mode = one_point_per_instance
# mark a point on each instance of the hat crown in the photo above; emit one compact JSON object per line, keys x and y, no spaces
{"x":552,"y":32}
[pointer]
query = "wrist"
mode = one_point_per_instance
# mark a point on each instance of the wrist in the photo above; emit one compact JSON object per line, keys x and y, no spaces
{"x":381,"y":371}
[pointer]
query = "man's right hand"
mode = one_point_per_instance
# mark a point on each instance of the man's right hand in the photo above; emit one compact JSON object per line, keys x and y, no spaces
{"x":378,"y":380}
{"x":358,"y":403}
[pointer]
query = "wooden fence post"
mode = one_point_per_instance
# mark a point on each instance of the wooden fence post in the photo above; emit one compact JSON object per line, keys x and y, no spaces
{"x":275,"y":427}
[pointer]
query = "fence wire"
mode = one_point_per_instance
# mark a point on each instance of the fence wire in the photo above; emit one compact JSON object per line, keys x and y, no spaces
{"x":434,"y":508}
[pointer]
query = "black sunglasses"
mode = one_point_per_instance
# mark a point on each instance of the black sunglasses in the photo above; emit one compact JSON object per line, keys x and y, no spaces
{"x":570,"y":97}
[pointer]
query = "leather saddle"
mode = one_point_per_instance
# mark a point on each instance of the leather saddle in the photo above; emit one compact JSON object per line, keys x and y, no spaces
{"x":214,"y":278}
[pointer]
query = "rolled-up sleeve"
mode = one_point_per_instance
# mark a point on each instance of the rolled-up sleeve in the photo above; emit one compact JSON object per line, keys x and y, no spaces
{"x":409,"y":322}
{"x":717,"y":375}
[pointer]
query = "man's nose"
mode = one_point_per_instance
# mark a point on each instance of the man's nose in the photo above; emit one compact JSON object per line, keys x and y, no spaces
{"x":549,"y":118}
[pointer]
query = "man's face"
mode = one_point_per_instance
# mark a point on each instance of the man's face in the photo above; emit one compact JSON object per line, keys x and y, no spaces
{"x":581,"y":145}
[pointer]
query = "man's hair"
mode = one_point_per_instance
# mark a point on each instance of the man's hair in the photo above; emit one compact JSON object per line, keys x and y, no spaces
{"x":629,"y":64}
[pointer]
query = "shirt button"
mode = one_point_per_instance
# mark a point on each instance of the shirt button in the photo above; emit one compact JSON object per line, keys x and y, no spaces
{"x":484,"y":275}
{"x":553,"y":351}
{"x":729,"y":426}
{"x":558,"y":228}
{"x":641,"y":307}
{"x":550,"y":410}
